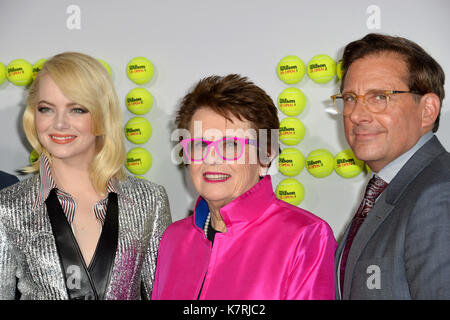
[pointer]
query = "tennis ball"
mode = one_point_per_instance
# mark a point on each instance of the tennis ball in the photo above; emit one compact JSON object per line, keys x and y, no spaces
{"x":139,"y":160}
{"x":139,"y":101}
{"x":320,"y":163}
{"x":321,"y":68}
{"x":347,"y":165}
{"x":291,"y":131}
{"x":291,"y":162}
{"x":339,"y":70}
{"x":37,"y":67}
{"x":291,"y":69}
{"x":291,"y":191}
{"x":140,"y":70}
{"x":20,"y":72}
{"x":291,"y":101}
{"x":2,"y":73}
{"x":107,"y":67}
{"x":34,"y":156}
{"x":138,"y":130}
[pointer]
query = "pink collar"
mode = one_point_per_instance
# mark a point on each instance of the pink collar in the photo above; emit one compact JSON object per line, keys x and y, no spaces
{"x":242,"y":210}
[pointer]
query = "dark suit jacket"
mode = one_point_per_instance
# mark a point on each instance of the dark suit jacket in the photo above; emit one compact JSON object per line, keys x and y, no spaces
{"x":402,"y":250}
{"x":7,"y":179}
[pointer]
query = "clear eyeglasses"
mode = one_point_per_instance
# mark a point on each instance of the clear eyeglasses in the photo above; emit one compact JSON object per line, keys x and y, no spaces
{"x":376,"y":101}
{"x":228,"y":148}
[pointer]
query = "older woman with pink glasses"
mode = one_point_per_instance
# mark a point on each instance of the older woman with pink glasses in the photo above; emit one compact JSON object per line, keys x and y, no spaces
{"x":241,"y":242}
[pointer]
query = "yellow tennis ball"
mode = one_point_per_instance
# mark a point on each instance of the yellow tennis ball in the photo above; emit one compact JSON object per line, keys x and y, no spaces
{"x":291,"y":191}
{"x":20,"y":72}
{"x":320,"y":163}
{"x":140,"y":70}
{"x":291,"y":101}
{"x":347,"y":165}
{"x":291,"y":131}
{"x":291,"y":162}
{"x":107,"y":67}
{"x":34,"y":156}
{"x":2,"y":73}
{"x":339,"y":70}
{"x":321,"y":68}
{"x":37,"y":67}
{"x":291,"y":69}
{"x":139,"y":161}
{"x":139,"y":101}
{"x":138,"y":130}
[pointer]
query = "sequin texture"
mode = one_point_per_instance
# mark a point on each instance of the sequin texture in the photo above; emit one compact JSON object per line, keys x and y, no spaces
{"x":29,"y":259}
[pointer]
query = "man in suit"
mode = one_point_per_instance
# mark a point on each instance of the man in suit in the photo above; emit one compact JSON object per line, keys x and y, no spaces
{"x":7,"y":179}
{"x":398,"y":243}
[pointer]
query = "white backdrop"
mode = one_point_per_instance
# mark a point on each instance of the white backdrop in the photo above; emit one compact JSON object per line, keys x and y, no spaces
{"x":188,"y":40}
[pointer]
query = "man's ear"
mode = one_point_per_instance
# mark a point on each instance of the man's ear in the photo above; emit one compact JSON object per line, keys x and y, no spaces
{"x":431,"y":107}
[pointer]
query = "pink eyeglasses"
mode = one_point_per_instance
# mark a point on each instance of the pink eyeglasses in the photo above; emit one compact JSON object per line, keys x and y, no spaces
{"x":228,"y":148}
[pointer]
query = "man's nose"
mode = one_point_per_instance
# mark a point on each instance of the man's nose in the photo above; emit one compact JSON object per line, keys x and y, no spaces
{"x":360,"y":111}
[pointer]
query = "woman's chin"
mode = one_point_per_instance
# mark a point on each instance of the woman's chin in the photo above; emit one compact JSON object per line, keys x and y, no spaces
{"x":216,"y":197}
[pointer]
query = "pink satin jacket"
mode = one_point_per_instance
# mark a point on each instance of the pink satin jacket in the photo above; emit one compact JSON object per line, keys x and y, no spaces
{"x":271,"y":251}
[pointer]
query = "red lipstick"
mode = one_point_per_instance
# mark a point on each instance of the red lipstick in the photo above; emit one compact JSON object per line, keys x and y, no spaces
{"x":62,"y":138}
{"x":215,"y":177}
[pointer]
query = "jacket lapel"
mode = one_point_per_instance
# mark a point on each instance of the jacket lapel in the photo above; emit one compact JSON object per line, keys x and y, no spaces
{"x":374,"y":219}
{"x":337,"y":262}
{"x":103,"y":261}
{"x":418,"y":162}
{"x":77,"y":278}
{"x":386,"y":204}
{"x":85,"y":282}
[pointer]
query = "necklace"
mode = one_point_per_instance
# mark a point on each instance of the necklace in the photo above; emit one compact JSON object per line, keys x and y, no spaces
{"x":205,"y":228}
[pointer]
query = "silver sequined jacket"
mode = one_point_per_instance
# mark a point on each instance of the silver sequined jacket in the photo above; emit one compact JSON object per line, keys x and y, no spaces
{"x":28,"y":256}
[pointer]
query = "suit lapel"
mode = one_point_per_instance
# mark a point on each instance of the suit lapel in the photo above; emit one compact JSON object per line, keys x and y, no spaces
{"x":386,"y":204}
{"x":374,"y":219}
{"x":337,"y":262}
{"x":415,"y":165}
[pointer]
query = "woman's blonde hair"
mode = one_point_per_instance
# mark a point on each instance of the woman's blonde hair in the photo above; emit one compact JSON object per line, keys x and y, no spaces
{"x":84,"y":80}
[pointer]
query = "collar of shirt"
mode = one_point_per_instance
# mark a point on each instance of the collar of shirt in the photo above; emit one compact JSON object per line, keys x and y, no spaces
{"x":68,"y":204}
{"x":390,"y":171}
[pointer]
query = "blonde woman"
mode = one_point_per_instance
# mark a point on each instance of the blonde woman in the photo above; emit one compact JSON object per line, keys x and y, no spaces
{"x":79,"y":228}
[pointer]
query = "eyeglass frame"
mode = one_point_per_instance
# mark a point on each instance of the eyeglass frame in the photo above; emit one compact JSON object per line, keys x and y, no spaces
{"x":209,"y":143}
{"x":388,"y":93}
